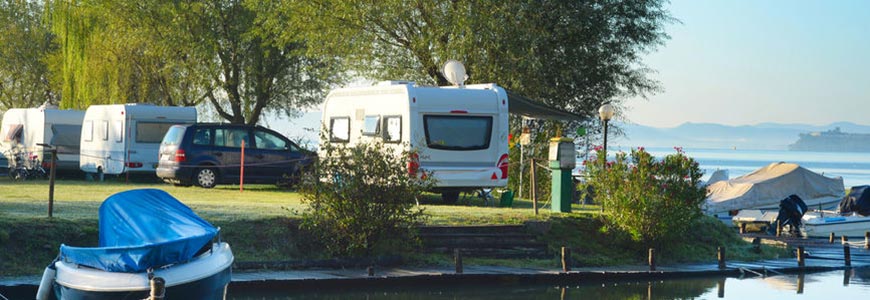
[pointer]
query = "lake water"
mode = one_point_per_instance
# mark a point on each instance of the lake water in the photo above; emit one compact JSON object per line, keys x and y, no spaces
{"x":847,"y":284}
{"x":853,"y":167}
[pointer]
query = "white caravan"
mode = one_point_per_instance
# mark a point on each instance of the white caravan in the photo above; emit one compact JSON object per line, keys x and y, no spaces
{"x":460,"y":134}
{"x":123,"y":138}
{"x":24,"y":128}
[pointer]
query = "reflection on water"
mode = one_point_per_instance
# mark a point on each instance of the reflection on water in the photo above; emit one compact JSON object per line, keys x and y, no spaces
{"x":829,"y":285}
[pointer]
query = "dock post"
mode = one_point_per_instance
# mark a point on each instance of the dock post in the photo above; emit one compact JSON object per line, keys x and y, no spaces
{"x":370,"y":271}
{"x":847,"y":252}
{"x":158,"y":288}
{"x":566,"y":258}
{"x":867,"y":240}
{"x":831,"y":238}
{"x":778,"y":228}
{"x":721,"y":290}
{"x":800,"y":283}
{"x":742,"y":228}
{"x":652,"y":259}
{"x":800,"y":256}
{"x":457,"y":259}
{"x":721,"y":258}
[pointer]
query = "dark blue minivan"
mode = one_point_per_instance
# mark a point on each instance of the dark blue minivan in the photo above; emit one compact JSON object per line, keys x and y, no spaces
{"x":207,"y":154}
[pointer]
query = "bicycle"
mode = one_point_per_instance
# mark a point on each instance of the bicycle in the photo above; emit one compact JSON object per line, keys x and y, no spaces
{"x":24,"y":165}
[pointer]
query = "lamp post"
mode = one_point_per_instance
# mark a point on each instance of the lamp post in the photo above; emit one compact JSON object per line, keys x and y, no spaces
{"x":606,"y":113}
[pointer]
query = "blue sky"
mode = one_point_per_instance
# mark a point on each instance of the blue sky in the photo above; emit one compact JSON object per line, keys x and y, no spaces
{"x":743,"y":62}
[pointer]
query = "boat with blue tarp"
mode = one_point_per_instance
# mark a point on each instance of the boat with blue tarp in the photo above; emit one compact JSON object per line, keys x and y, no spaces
{"x":144,"y":234}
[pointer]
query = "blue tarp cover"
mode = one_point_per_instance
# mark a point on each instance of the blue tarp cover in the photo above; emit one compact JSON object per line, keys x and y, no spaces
{"x":141,"y":229}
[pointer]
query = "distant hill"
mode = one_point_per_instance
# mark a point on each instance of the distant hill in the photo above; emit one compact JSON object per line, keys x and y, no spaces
{"x":764,"y":136}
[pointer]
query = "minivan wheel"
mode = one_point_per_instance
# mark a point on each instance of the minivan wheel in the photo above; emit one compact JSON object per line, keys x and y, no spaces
{"x":206,"y":178}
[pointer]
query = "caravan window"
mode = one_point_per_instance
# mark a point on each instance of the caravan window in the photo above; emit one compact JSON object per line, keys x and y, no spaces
{"x":105,"y":131}
{"x":392,"y":129}
{"x":88,"y":131}
{"x":118,"y":131}
{"x":151,"y":132}
{"x":372,"y":125}
{"x":13,"y":132}
{"x":339,"y":129}
{"x":457,"y":132}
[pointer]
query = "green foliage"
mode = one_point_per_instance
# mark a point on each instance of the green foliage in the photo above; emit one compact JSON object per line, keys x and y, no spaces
{"x":655,"y":201}
{"x":362,"y":202}
{"x":25,"y":79}
{"x":570,"y":54}
{"x":183,"y":53}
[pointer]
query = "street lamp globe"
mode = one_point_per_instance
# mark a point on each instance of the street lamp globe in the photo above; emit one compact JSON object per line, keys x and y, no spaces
{"x":606,"y":112}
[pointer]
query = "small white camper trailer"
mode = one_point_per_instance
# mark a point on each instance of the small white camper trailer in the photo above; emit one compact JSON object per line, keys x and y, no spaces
{"x":460,"y":134}
{"x":23,"y":129}
{"x":123,"y":138}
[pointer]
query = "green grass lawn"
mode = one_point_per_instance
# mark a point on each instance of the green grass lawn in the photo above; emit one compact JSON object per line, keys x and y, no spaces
{"x":77,"y":199}
{"x":262,"y":223}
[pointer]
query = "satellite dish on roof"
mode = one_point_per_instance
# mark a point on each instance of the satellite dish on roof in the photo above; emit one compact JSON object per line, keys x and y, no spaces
{"x":454,"y":72}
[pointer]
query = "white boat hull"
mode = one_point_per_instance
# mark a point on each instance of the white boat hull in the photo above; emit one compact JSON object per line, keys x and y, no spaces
{"x":818,"y":225}
{"x":203,"y":277}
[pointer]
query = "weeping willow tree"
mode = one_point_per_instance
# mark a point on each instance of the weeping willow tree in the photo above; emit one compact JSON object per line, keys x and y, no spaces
{"x":73,"y":28}
{"x":109,"y":55}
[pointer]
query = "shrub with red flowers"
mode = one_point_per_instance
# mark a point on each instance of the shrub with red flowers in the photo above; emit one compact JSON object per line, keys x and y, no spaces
{"x":654,"y":200}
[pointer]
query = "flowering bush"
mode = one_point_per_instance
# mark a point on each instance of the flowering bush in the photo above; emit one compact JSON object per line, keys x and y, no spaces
{"x":655,"y":201}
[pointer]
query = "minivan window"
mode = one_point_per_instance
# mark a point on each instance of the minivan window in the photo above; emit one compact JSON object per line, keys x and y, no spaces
{"x":202,"y":137}
{"x":151,"y":132}
{"x":231,"y":137}
{"x":268,"y":141}
{"x":457,"y":132}
{"x":174,"y":135}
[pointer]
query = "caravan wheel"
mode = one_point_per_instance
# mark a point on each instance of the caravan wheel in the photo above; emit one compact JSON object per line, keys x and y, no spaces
{"x":450,"y":197}
{"x":206,"y":178}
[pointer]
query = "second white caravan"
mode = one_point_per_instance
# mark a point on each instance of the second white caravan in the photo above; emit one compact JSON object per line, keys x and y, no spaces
{"x":121,"y":138}
{"x":459,"y":134}
{"x":24,"y":129}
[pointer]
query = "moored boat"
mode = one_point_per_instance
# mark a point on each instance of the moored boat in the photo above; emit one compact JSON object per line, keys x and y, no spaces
{"x":818,"y":224}
{"x":852,"y":218}
{"x":763,"y":189}
{"x":144,"y":234}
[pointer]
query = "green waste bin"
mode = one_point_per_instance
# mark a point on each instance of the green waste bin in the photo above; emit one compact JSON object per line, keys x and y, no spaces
{"x":507,"y":199}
